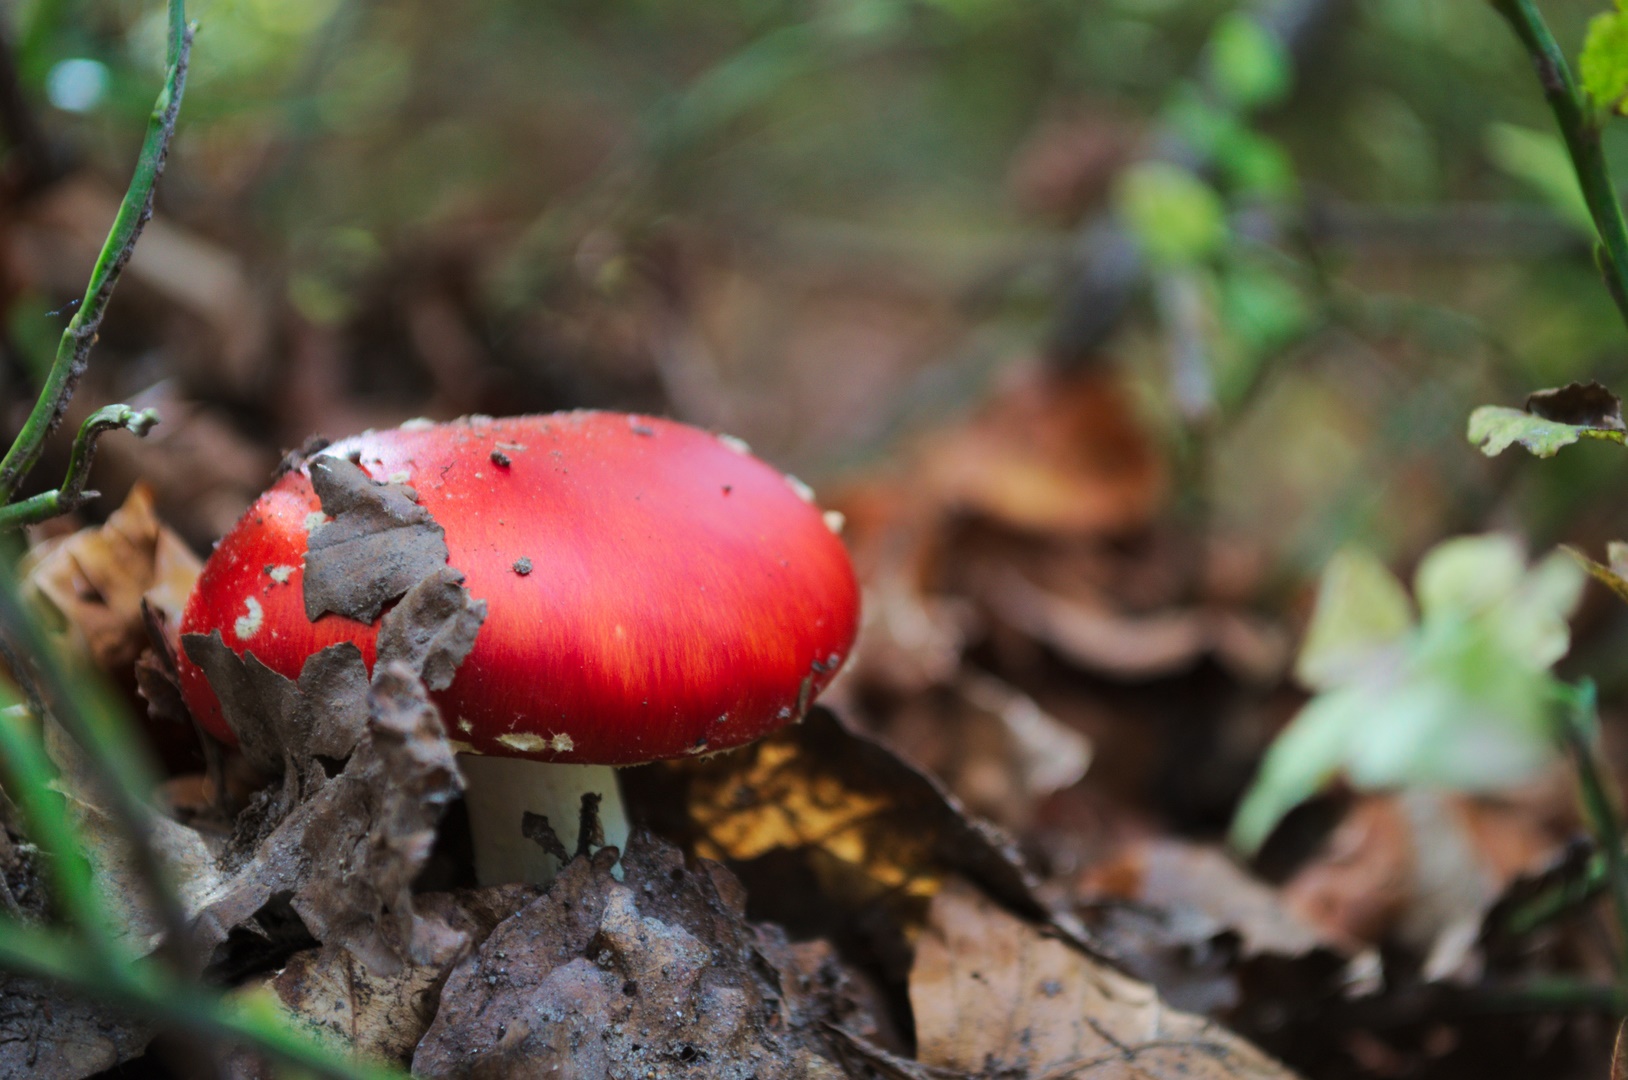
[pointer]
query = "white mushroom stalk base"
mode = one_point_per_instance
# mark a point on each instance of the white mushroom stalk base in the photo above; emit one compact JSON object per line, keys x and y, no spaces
{"x":500,"y":791}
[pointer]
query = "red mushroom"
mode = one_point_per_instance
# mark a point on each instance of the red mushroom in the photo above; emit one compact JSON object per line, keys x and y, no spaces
{"x":652,"y":591}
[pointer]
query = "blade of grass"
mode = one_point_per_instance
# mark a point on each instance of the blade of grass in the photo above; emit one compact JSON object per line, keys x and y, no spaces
{"x":151,"y":990}
{"x":28,"y":776}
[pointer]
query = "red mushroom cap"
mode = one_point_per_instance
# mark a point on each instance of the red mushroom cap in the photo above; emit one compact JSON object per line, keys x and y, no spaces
{"x":652,"y":590}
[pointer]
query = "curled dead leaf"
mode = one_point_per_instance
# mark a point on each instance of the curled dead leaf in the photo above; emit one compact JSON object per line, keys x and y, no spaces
{"x":96,"y":580}
{"x":832,"y":809}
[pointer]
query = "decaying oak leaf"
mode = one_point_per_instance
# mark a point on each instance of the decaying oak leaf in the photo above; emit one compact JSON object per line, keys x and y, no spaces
{"x":45,"y":1035}
{"x":823,"y":821}
{"x":379,"y":543}
{"x":96,"y":580}
{"x":347,"y":853}
{"x":382,"y":1017}
{"x":992,"y":995}
{"x":656,"y":975}
{"x":283,"y":725}
{"x":367,"y":772}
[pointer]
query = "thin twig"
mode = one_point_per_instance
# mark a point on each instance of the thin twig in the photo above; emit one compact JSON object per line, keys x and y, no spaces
{"x":72,"y":494}
{"x":73,"y":351}
{"x":1580,"y":127}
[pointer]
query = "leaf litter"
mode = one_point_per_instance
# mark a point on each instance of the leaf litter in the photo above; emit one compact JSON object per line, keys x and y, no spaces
{"x":794,"y":931}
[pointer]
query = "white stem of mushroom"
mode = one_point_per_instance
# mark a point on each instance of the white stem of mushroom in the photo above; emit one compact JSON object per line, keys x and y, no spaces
{"x":499,"y":791}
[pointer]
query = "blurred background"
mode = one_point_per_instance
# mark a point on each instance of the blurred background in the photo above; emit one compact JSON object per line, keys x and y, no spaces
{"x":1104,"y":323}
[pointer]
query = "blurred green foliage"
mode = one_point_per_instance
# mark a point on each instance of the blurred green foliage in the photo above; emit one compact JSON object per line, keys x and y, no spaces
{"x":334,"y":142}
{"x":1458,"y":697}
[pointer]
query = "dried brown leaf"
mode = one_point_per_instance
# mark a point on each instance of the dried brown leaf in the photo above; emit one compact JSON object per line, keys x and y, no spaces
{"x":1421,"y":870}
{"x":97,"y":578}
{"x":1054,"y":455}
{"x":379,"y":544}
{"x":1166,"y":873}
{"x":1587,"y":404}
{"x":382,"y":1017}
{"x":433,"y":628}
{"x":283,"y":725}
{"x":347,"y":853}
{"x":657,"y":975}
{"x":993,"y":995}
{"x":870,"y":827}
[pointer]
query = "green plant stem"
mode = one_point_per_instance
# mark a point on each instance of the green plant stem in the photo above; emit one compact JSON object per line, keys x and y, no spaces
{"x":1581,"y":130}
{"x":72,"y":493}
{"x":1556,"y":902}
{"x":73,"y":351}
{"x":150,"y":990}
{"x":1601,"y":806}
{"x":28,"y":776}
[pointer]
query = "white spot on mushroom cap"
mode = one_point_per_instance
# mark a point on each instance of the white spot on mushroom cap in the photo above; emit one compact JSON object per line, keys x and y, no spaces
{"x":400,"y":476}
{"x":528,"y":743}
{"x":804,"y":492}
{"x":315,"y":520}
{"x":460,"y":747}
{"x":280,"y":574}
{"x":735,"y":443}
{"x":417,"y":423}
{"x":248,"y":624}
{"x":835,"y":520}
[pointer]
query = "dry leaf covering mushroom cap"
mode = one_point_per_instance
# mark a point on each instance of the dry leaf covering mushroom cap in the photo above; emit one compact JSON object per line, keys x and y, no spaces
{"x":652,"y":590}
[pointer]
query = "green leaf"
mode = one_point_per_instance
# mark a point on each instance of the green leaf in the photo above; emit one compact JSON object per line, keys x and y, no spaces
{"x":1305,"y":756}
{"x":1603,"y":64}
{"x":1539,"y":159}
{"x":1467,"y":575}
{"x":1463,"y":700}
{"x":1494,"y":428}
{"x":1361,"y":607}
{"x":1176,"y":217}
{"x":1250,"y":66}
{"x":1256,"y":165}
